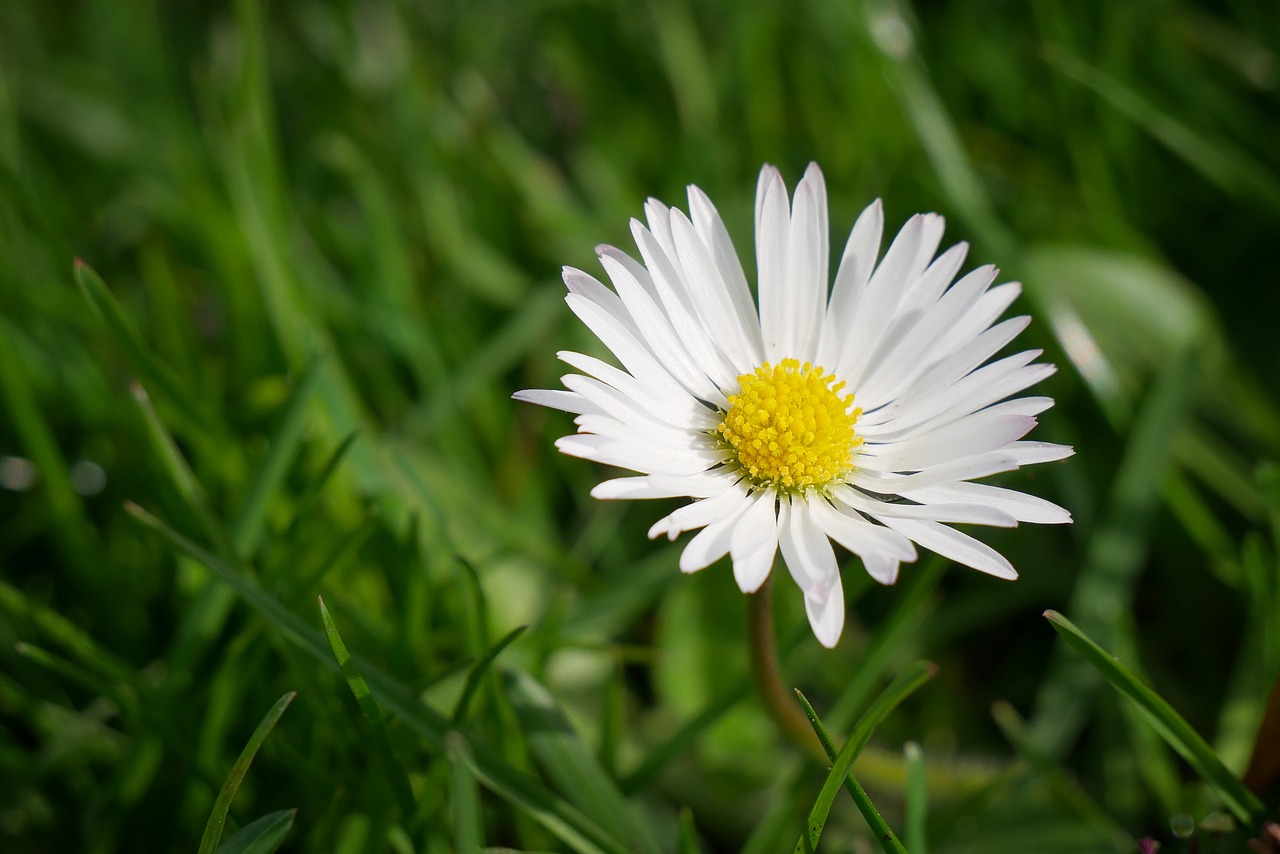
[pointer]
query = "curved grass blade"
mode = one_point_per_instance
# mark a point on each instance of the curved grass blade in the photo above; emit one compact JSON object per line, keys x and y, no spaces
{"x":572,"y":766}
{"x":1171,"y":726}
{"x":1020,"y":737}
{"x":156,"y":373}
{"x":218,"y":818}
{"x":551,"y":811}
{"x":841,"y":773}
{"x":261,"y":836}
{"x":464,"y":803}
{"x":247,"y":527}
{"x":372,"y":714}
{"x":477,"y":673}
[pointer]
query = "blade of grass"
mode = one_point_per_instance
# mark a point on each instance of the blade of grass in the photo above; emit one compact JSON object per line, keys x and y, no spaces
{"x":552,"y":812}
{"x":264,"y":835}
{"x":841,"y":773}
{"x":154,"y":372}
{"x":477,"y":673}
{"x":464,"y":803}
{"x":247,"y":527}
{"x":372,"y":714}
{"x":570,"y":764}
{"x":180,"y":474}
{"x":917,"y":800}
{"x":1019,"y":736}
{"x":218,"y":818}
{"x":1171,"y":726}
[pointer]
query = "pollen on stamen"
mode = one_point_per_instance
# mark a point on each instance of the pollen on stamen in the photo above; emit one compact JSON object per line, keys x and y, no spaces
{"x":790,"y":428}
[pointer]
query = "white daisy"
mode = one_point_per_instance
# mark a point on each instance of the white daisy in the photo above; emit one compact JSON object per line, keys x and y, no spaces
{"x":861,"y":416}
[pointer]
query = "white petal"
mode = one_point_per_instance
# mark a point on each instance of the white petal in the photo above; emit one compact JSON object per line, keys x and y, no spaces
{"x":950,"y":543}
{"x":1023,"y":507}
{"x":711,"y":543}
{"x":679,"y":409}
{"x":964,"y":513}
{"x":621,"y":406}
{"x":804,"y":546}
{"x":755,"y":542}
{"x":965,"y":468}
{"x":728,"y":503}
{"x":637,"y":456}
{"x":776,"y":306}
{"x":881,"y":549}
{"x":856,"y":264}
{"x":711,"y":228}
{"x":807,"y":263}
{"x":672,"y":291}
{"x":826,"y":613}
{"x":711,"y":296}
{"x":1030,"y":453}
{"x":552,"y":398}
{"x":985,"y":311}
{"x":971,"y":435}
{"x":622,"y":342}
{"x":655,"y":329}
{"x":661,"y":486}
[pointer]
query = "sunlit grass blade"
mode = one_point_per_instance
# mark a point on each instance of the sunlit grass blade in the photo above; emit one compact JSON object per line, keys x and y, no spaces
{"x":261,"y":836}
{"x":464,"y":801}
{"x":917,"y":800}
{"x":180,"y":473}
{"x":556,"y":814}
{"x":1093,"y":815}
{"x":1165,"y":720}
{"x":247,"y":527}
{"x":841,"y":774}
{"x":568,"y":761}
{"x":153,"y":372}
{"x":372,"y":714}
{"x":478,"y":671}
{"x":218,"y":818}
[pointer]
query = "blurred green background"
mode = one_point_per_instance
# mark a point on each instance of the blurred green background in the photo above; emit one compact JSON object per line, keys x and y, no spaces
{"x":330,"y":235}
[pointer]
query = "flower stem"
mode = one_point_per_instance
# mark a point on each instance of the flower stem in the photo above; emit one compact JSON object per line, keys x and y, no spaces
{"x":766,"y":672}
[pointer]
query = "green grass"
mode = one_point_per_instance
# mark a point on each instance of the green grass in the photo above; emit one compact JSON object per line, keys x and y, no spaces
{"x":277,"y":268}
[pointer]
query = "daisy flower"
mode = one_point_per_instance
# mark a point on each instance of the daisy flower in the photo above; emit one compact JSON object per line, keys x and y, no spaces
{"x":858,"y":414}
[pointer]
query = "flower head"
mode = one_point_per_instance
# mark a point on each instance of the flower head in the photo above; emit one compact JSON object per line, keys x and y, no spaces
{"x":859,"y":415}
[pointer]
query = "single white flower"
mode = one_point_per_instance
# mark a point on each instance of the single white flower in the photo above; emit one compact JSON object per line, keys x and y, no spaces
{"x":860,"y":417}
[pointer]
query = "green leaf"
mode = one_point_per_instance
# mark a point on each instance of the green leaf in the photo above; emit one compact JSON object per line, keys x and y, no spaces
{"x":218,"y":818}
{"x":1171,"y":726}
{"x":569,"y":763}
{"x":372,"y":714}
{"x":841,"y":774}
{"x":261,"y":836}
{"x":478,"y":671}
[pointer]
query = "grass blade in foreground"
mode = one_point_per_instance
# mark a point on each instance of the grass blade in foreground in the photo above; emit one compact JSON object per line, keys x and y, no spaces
{"x":898,"y":690}
{"x":478,"y":671}
{"x":552,"y":812}
{"x":917,"y":807}
{"x":218,"y":818}
{"x":261,"y":836}
{"x":1167,"y":722}
{"x":369,"y":707}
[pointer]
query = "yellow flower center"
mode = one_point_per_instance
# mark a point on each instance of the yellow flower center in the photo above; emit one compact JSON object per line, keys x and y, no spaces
{"x":790,"y":428}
